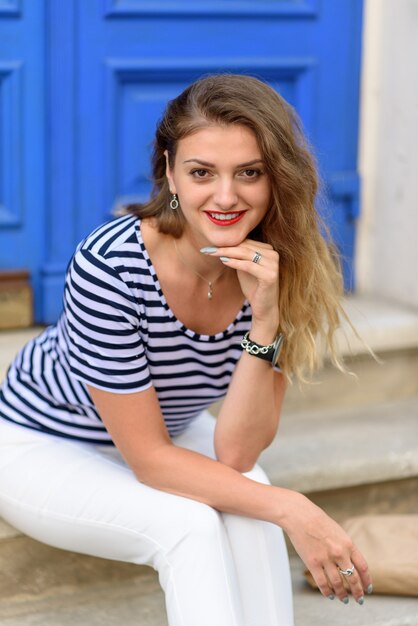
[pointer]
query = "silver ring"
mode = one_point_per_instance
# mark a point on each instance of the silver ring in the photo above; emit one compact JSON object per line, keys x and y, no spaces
{"x":257,"y":257}
{"x":347,"y":572}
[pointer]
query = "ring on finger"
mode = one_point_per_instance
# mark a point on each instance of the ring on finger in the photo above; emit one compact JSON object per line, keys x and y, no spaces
{"x":347,"y":572}
{"x":257,"y":257}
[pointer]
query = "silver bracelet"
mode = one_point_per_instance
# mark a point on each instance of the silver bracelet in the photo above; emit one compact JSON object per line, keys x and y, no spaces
{"x":269,"y":353}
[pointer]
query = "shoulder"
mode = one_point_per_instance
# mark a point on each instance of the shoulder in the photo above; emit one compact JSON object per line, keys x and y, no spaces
{"x":108,"y":256}
{"x":111,"y":236}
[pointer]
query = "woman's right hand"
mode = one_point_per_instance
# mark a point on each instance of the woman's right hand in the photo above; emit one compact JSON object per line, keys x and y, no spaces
{"x":325,"y":548}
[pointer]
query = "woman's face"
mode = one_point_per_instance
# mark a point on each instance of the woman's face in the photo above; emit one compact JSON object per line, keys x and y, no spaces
{"x":222,"y":185}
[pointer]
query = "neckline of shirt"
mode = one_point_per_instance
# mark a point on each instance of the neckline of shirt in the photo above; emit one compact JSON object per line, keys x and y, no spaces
{"x":187,"y":331}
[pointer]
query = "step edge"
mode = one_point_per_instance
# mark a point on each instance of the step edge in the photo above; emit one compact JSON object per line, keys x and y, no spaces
{"x":384,"y":325}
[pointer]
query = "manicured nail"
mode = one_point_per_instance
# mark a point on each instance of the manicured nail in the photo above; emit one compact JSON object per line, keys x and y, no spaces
{"x":360,"y":600}
{"x":331,"y":596}
{"x":370,"y":589}
{"x":345,"y":600}
{"x":208,"y":250}
{"x":224,"y":259}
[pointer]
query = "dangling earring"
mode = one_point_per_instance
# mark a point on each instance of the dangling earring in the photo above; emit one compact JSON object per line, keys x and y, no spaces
{"x":174,"y":203}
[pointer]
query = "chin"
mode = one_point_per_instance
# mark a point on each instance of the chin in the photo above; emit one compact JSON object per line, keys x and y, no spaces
{"x":229,"y":239}
{"x":226,"y":240}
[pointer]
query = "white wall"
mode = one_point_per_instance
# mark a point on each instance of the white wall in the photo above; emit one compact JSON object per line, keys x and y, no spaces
{"x":387,"y":243}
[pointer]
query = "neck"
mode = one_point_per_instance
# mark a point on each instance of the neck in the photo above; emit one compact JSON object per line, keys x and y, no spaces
{"x":188,"y":249}
{"x":207,"y":278}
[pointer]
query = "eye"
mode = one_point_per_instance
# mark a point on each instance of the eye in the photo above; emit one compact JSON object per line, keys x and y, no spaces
{"x":251,"y":173}
{"x":199,"y":173}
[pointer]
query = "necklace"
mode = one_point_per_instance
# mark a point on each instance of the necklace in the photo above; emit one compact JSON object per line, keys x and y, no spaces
{"x":210,"y":283}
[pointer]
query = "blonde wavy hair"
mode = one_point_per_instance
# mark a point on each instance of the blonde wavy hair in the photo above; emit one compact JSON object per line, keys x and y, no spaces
{"x":310,"y":281}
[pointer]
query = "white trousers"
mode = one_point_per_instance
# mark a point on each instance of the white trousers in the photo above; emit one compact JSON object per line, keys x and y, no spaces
{"x":216,"y":569}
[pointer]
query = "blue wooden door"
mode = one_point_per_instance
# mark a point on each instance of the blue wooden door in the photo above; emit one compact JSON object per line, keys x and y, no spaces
{"x":22,"y":138}
{"x":113,"y":64}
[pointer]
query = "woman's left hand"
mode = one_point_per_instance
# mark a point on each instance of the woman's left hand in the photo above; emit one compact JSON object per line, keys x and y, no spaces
{"x":325,"y":548}
{"x":259,"y":281}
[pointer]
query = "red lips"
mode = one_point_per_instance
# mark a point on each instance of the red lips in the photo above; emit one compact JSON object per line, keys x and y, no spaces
{"x":225,"y":221}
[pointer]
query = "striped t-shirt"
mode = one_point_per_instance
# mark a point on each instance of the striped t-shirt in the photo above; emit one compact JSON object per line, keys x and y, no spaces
{"x":117,"y":333}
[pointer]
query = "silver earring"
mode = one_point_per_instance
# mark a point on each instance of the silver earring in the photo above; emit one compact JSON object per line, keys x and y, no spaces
{"x":174,"y":203}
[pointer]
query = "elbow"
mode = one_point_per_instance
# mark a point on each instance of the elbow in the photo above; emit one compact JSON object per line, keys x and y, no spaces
{"x":154,"y":465}
{"x":239,"y":460}
{"x":239,"y":465}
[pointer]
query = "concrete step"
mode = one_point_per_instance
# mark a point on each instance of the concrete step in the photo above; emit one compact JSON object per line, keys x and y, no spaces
{"x":333,"y":448}
{"x":350,"y":461}
{"x":384,"y":325}
{"x":389,"y":329}
{"x":394,"y":377}
{"x":352,"y":452}
{"x":43,"y":586}
{"x":331,"y":455}
{"x":347,"y":453}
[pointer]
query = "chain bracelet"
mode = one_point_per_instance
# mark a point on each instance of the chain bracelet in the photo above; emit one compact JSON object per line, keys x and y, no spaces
{"x":252,"y":348}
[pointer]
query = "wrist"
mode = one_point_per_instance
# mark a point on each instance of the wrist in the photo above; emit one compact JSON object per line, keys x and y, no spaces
{"x":269,"y":352}
{"x":288,"y":502}
{"x":264,"y":332}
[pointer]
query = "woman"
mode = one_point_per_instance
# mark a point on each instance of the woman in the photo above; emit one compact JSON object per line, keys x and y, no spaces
{"x":106,"y":447}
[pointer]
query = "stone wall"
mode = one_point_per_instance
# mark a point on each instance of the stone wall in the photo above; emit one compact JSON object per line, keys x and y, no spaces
{"x":387,"y":243}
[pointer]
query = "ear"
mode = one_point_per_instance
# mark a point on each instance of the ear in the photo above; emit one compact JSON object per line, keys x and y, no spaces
{"x":169,"y":174}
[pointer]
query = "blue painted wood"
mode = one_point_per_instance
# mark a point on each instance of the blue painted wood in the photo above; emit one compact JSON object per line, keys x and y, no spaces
{"x":213,"y":9}
{"x":22,"y":139}
{"x":111,"y":65}
{"x":63,"y":148}
{"x":10,"y":8}
{"x":137,"y":91}
{"x":11,"y":149}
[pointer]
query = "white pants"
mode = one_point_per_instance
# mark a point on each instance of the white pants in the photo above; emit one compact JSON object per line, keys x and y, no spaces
{"x":216,"y":569}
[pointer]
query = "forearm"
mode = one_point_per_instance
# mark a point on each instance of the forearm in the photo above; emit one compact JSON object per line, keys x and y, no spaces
{"x":249,"y":416}
{"x":137,"y":428}
{"x":192,"y":475}
{"x":319,"y":541}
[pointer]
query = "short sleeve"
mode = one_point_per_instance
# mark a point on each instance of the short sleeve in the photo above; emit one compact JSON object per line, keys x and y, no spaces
{"x":103,"y":322}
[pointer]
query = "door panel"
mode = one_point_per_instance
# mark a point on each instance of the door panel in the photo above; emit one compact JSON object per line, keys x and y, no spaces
{"x":22,"y":138}
{"x":111,"y":65}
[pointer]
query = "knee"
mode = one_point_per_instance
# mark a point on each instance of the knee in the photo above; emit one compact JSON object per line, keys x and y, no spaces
{"x":192,"y":526}
{"x":203,"y":523}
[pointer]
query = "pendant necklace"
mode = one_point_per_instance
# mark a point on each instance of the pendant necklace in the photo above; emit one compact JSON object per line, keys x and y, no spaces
{"x":210,"y":283}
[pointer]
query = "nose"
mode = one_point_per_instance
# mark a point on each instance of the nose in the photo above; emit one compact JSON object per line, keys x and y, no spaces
{"x":225,"y":195}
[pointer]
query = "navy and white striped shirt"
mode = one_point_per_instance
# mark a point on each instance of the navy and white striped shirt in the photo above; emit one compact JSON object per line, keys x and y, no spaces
{"x":117,"y":333}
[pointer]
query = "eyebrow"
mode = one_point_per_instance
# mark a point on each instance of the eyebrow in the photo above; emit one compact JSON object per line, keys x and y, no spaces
{"x":213,"y":165}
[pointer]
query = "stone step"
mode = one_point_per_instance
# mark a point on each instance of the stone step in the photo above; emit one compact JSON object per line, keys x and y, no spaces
{"x":360,"y":457}
{"x":389,"y":329}
{"x":394,"y":377}
{"x":321,"y":453}
{"x":43,"y":586}
{"x":335,"y":448}
{"x":350,"y":461}
{"x":384,"y":325}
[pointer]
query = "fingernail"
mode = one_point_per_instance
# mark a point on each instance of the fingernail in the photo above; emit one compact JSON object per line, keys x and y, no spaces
{"x":360,"y":600}
{"x":208,"y":250}
{"x":224,"y":259}
{"x":370,"y":589}
{"x":331,"y":596}
{"x":345,"y":600}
